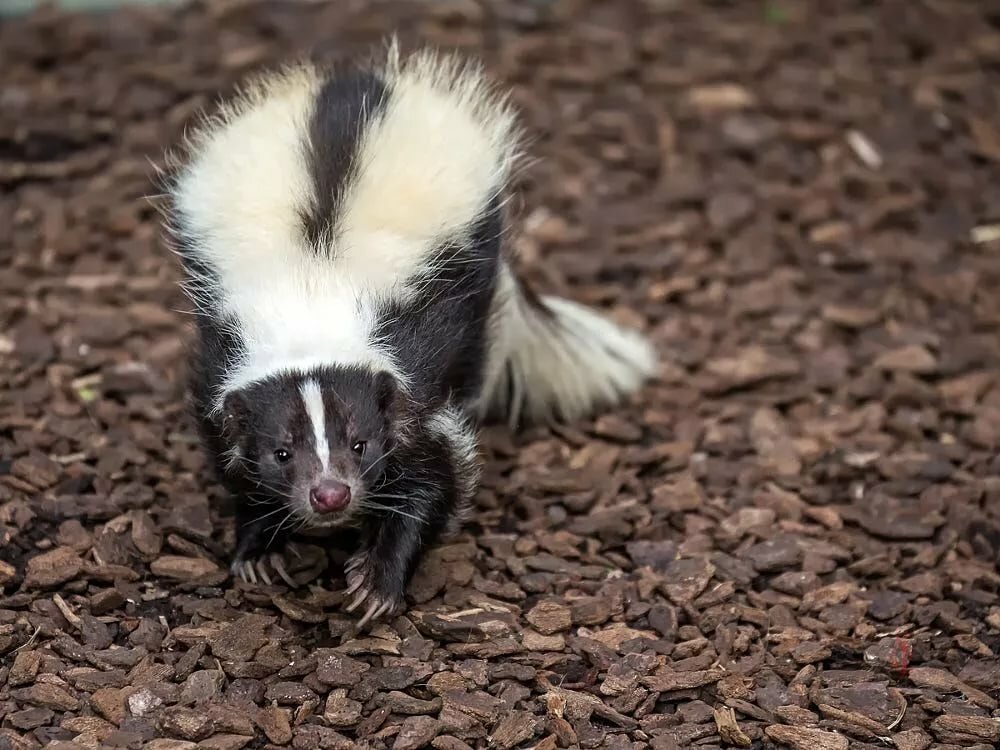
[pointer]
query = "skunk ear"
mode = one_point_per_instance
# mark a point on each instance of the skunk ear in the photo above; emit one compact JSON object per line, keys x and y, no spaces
{"x":387,"y":394}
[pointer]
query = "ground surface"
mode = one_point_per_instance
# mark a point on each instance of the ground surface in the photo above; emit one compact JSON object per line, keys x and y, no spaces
{"x":791,"y":539}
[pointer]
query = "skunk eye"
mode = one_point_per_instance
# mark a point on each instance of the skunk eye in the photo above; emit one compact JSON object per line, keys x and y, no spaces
{"x":282,"y":456}
{"x":359,"y":447}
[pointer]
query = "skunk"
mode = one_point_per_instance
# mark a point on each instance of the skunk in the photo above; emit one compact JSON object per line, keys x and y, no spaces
{"x":357,"y":312}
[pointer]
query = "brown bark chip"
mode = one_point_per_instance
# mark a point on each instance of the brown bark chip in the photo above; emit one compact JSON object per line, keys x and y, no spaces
{"x":789,"y":538}
{"x":53,"y":568}
{"x":803,"y":738}
{"x":729,"y":730}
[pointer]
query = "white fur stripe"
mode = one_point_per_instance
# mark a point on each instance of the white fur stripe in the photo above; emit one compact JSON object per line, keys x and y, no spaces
{"x":312,"y":398}
{"x":443,"y":146}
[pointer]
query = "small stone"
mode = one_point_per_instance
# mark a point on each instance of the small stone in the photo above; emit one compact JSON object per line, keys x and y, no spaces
{"x":550,"y":617}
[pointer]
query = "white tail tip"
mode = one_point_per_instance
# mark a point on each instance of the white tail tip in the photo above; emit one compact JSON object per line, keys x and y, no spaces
{"x":556,"y":360}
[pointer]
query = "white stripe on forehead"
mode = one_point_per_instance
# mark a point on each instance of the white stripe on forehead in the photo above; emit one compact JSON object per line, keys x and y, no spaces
{"x":312,"y":398}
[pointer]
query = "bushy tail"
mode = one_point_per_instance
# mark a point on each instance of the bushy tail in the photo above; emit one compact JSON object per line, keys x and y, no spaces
{"x":555,"y":360}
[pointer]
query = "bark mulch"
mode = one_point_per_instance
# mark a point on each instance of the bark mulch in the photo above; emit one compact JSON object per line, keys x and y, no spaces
{"x":790,"y":540}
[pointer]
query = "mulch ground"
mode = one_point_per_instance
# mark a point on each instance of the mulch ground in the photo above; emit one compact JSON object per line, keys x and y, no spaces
{"x":790,"y":539}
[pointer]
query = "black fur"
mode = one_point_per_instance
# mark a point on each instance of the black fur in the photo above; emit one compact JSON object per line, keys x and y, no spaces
{"x":347,"y":105}
{"x":421,"y":481}
{"x":441,"y":334}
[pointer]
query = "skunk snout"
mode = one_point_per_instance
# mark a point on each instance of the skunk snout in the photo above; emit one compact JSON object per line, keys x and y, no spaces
{"x":330,"y":496}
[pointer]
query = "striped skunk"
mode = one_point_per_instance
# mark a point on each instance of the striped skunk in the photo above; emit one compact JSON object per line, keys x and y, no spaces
{"x":358,"y":315}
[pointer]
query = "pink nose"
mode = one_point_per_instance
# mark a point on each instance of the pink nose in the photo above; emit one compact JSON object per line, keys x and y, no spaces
{"x":330,"y":497}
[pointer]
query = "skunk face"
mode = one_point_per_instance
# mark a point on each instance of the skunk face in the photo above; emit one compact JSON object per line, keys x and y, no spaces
{"x":316,"y":442}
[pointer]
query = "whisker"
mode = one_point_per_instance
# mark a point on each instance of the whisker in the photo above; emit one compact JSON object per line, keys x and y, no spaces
{"x":273,"y":512}
{"x":277,"y":529}
{"x":377,"y":462}
{"x":386,"y":509}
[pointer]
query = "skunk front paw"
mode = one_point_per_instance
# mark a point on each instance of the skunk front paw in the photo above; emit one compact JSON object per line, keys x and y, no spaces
{"x":368,"y":586}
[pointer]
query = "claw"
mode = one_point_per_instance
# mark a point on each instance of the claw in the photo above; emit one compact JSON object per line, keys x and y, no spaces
{"x":370,"y":613}
{"x":354,"y":585}
{"x":262,"y":572}
{"x":247,"y":573}
{"x":386,"y":608}
{"x":375,"y":610}
{"x":354,"y":563}
{"x":278,"y":563}
{"x":362,"y":595}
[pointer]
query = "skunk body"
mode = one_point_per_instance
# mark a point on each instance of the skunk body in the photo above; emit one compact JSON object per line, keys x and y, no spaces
{"x":357,"y":314}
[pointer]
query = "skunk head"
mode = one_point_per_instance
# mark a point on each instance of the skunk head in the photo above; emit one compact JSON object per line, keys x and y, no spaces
{"x":317,"y":442}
